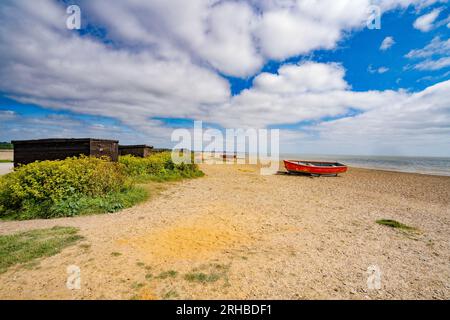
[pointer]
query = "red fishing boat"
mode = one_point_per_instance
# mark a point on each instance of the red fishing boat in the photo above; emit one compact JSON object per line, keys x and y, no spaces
{"x":314,"y":167}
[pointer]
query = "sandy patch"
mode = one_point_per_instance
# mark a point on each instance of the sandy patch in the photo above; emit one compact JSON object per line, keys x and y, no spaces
{"x":190,"y":239}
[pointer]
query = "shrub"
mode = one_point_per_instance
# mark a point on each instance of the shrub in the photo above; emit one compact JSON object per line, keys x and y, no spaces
{"x":84,"y":185}
{"x":158,"y":166}
{"x":68,"y":187}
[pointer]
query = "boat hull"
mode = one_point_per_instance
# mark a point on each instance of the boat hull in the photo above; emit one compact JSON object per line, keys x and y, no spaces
{"x":314,"y":167}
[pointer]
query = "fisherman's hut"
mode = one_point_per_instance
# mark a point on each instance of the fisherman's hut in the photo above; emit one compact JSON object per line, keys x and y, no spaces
{"x":27,"y":151}
{"x":141,"y":150}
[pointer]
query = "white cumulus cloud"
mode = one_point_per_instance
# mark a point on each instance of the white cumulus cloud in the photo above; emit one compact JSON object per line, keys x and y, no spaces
{"x":387,"y":43}
{"x":435,"y":55}
{"x":164,"y":59}
{"x":425,"y":23}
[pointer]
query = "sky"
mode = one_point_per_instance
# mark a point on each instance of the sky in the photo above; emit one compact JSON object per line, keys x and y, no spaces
{"x":138,"y":69}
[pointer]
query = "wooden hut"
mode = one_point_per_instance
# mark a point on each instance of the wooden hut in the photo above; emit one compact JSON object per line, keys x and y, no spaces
{"x":141,"y":150}
{"x":27,"y":151}
{"x":161,"y":150}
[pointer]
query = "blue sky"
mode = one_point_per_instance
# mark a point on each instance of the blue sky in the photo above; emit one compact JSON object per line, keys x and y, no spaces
{"x":134,"y":74}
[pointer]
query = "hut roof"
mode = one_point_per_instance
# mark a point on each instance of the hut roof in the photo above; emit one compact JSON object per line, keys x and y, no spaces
{"x":135,"y":146}
{"x":37,"y":141}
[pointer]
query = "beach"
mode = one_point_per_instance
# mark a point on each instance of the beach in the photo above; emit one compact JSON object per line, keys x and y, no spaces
{"x":256,"y":237}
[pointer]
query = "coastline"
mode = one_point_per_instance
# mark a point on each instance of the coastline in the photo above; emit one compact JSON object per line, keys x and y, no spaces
{"x":437,"y":174}
{"x":439,"y":166}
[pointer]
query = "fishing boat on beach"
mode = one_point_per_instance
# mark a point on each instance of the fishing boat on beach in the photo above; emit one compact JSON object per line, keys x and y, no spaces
{"x":314,"y":167}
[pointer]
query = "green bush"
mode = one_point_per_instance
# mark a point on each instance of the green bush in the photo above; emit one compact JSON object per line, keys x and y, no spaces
{"x":6,"y":145}
{"x":68,"y":187}
{"x":159,"y":167}
{"x":84,"y":185}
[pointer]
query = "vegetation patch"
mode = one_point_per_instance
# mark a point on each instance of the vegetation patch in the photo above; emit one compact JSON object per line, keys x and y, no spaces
{"x":5,"y":161}
{"x":137,"y":285}
{"x":25,"y":247}
{"x":171,"y":294}
{"x":75,"y":186}
{"x":201,"y":277}
{"x":209,"y":273}
{"x":395,"y":224}
{"x":85,"y":185}
{"x":6,"y":146}
{"x":149,"y":276}
{"x":167,"y":274}
{"x":158,"y":167}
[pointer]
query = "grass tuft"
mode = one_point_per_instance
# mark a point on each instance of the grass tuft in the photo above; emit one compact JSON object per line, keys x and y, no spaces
{"x":201,"y":277}
{"x":395,"y":224}
{"x":171,"y":294}
{"x":137,"y":285}
{"x":167,"y":274}
{"x":149,"y":276}
{"x":26,"y":247}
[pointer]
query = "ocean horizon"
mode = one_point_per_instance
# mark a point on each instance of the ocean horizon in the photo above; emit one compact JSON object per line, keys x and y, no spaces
{"x":423,"y":165}
{"x":410,"y":164}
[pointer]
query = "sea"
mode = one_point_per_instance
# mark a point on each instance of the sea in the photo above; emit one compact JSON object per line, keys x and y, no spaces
{"x":424,"y":165}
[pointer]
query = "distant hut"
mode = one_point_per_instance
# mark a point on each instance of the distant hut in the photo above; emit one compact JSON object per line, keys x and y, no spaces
{"x":27,"y":151}
{"x":141,"y":150}
{"x":156,"y":150}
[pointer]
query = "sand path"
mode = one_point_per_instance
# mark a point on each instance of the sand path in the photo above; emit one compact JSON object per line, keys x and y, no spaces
{"x":6,"y":168}
{"x":275,"y":237}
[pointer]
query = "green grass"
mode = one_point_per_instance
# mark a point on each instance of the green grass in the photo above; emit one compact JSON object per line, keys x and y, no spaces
{"x":171,"y":294}
{"x":80,"y":205}
{"x":395,"y":224}
{"x":6,"y":161}
{"x":201,"y":277}
{"x":26,"y":247}
{"x":209,"y":273}
{"x":158,"y":167}
{"x":149,"y":276}
{"x":6,"y":146}
{"x":167,"y":274}
{"x":109,"y":203}
{"x":137,"y":285}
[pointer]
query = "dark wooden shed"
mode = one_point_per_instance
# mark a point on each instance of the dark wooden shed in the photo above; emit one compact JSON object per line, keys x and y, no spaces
{"x":27,"y":151}
{"x":140,"y":150}
{"x":156,"y":150}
